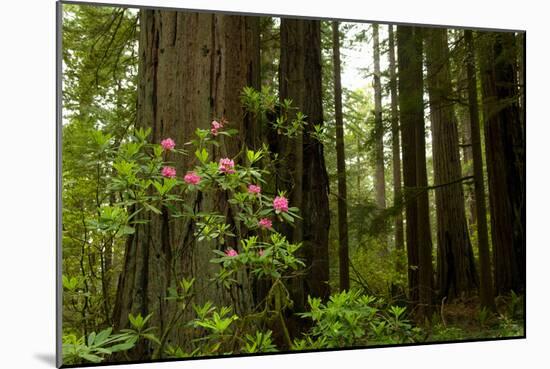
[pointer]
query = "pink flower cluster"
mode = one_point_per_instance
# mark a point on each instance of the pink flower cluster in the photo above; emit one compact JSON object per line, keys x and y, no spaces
{"x":168,"y":144}
{"x":215,"y":126}
{"x":192,"y":178}
{"x":231,"y":252}
{"x":227,"y":166}
{"x":280,"y":204}
{"x":254,"y":189}
{"x":265,"y":223}
{"x":168,"y":172}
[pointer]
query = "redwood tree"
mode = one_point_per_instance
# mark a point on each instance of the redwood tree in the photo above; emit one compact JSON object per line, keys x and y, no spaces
{"x":411,"y":115}
{"x":396,"y":145}
{"x":343,"y":252}
{"x":379,"y":177}
{"x":486,"y":280}
{"x":505,"y":152}
{"x":303,"y":173}
{"x":192,"y":68}
{"x":456,"y":270}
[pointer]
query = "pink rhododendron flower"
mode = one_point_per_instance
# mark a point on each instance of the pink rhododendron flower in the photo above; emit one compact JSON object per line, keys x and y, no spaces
{"x":215,"y":126}
{"x":231,"y":252}
{"x":254,"y":189}
{"x":226,"y":166}
{"x":168,"y":172}
{"x":280,"y":203}
{"x":265,"y":223}
{"x":168,"y":144}
{"x":192,"y":178}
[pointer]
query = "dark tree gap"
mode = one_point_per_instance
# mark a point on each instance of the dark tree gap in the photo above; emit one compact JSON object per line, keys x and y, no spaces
{"x":505,"y":153}
{"x":486,"y":280}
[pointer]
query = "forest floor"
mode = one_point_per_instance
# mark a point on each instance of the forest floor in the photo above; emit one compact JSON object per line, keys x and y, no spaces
{"x":463,"y":320}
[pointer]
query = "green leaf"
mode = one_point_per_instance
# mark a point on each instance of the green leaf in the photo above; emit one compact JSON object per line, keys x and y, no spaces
{"x":91,"y":339}
{"x":125,"y":345}
{"x":152,"y":208}
{"x":202,"y":155}
{"x":287,"y":217}
{"x":151,"y":337}
{"x":102,"y":336}
{"x":91,"y":357}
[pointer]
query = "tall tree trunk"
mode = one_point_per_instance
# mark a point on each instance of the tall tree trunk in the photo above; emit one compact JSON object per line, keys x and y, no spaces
{"x":456,"y":267}
{"x":340,"y":163}
{"x":465,"y":134}
{"x":425,"y":267}
{"x":486,"y":280}
{"x":379,"y":178}
{"x":192,"y":69}
{"x":505,"y":152}
{"x":411,"y":115}
{"x":396,"y":145}
{"x":306,"y":180}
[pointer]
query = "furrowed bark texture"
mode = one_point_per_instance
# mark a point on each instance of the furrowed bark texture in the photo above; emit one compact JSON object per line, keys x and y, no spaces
{"x":456,"y":272}
{"x":411,"y":115}
{"x":192,"y":69}
{"x":304,"y":171}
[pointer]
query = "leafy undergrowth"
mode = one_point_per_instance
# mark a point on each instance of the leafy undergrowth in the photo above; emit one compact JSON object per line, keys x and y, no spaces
{"x":347,"y":319}
{"x":465,"y":320}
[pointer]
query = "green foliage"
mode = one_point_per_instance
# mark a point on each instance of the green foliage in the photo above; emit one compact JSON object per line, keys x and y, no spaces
{"x":288,"y":120}
{"x":515,"y":305}
{"x":259,"y":342}
{"x":96,"y":347}
{"x":216,"y":330}
{"x":509,"y":328}
{"x":352,"y":319}
{"x":443,"y":333}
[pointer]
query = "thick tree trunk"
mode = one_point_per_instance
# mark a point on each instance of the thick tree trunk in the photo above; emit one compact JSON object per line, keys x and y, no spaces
{"x":305,"y":177}
{"x":192,"y":69}
{"x":379,"y":178}
{"x":505,"y":152}
{"x":411,"y":115}
{"x":396,"y":145}
{"x":340,"y":163}
{"x":456,"y":267}
{"x":486,"y":280}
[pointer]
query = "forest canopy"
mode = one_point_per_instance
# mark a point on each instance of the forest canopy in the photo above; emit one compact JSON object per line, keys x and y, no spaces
{"x":244,"y":184}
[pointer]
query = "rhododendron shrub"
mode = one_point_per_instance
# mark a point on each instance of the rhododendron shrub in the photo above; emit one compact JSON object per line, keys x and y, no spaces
{"x":247,"y":245}
{"x":168,"y":144}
